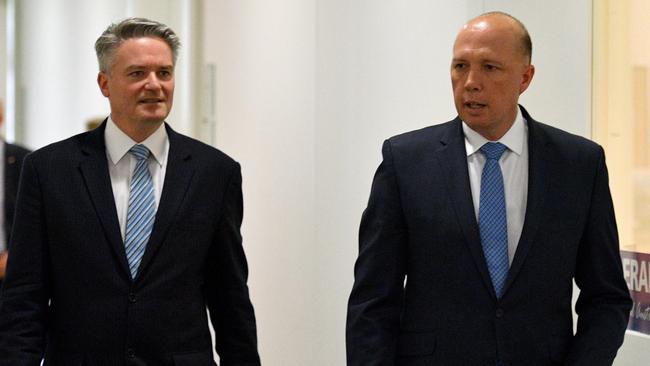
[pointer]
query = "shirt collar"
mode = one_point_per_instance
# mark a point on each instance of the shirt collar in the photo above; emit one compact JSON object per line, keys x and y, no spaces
{"x":513,"y":139}
{"x":118,"y":143}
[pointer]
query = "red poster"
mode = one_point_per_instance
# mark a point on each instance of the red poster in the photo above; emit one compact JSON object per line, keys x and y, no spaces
{"x":636,"y":267}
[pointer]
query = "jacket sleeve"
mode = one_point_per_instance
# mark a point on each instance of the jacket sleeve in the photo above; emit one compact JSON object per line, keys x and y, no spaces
{"x":231,"y":311}
{"x":604,"y":303}
{"x":26,"y":291}
{"x":376,"y":300}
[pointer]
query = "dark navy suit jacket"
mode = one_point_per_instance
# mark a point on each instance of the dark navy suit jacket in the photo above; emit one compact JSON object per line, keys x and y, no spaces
{"x":69,"y":296}
{"x":422,"y":293}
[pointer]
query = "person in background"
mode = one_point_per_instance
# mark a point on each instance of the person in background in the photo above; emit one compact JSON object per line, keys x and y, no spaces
{"x":126,"y":233}
{"x":12,"y":156}
{"x":476,"y":229}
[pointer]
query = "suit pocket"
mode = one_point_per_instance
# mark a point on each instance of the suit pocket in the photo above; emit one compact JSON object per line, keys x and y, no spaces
{"x":194,"y":359}
{"x":416,"y":344}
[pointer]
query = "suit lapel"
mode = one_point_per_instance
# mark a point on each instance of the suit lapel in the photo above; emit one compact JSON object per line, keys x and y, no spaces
{"x":94,"y":169}
{"x":538,"y":168}
{"x":453,"y":158}
{"x":178,"y":176}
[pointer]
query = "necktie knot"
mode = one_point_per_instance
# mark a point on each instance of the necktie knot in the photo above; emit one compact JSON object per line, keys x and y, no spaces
{"x":140,"y":152}
{"x":493,"y":150}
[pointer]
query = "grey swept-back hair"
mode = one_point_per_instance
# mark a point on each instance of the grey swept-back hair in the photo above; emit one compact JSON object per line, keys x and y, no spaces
{"x":117,"y":33}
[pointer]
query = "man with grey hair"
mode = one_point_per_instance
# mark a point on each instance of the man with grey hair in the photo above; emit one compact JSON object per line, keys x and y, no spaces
{"x":125,"y":234}
{"x":476,"y":229}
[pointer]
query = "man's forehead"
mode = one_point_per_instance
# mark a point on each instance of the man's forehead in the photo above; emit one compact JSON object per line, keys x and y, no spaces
{"x":493,"y":24}
{"x":141,"y":41}
{"x":485,"y":37}
{"x":476,"y":25}
{"x":144,"y":47}
{"x":476,"y":53}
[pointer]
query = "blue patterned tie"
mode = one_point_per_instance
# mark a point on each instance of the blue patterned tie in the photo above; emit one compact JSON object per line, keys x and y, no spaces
{"x":142,"y":209}
{"x":492,"y":219}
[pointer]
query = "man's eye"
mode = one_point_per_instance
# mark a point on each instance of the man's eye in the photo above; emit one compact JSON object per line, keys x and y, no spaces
{"x":136,"y":73}
{"x":490,"y":67}
{"x":459,"y":66}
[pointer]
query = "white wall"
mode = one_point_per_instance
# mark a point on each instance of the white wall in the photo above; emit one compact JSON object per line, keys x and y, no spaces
{"x":56,"y":67}
{"x":264,"y":57}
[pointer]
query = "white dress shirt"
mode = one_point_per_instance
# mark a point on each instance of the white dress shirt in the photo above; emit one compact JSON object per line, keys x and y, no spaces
{"x":514,"y":167}
{"x":121,"y":165}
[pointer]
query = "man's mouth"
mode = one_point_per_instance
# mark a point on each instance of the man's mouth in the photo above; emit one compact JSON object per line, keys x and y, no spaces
{"x":151,"y":100}
{"x":474,"y":105}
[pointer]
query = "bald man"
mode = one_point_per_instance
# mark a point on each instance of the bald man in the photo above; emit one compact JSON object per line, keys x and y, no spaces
{"x":13,"y":156}
{"x":476,"y":229}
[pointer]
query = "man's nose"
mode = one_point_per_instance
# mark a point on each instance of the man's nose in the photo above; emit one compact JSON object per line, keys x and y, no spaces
{"x":473,"y":80}
{"x":152,"y":81}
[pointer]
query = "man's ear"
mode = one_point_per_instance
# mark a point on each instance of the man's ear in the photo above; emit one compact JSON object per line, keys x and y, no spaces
{"x":527,"y":77}
{"x":102,"y":81}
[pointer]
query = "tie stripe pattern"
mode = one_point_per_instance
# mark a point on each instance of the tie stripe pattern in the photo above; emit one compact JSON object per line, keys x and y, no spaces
{"x":141,"y":211}
{"x":493,"y":223}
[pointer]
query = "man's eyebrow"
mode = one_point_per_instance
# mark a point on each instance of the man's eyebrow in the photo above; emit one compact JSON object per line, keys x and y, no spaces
{"x":482,"y":61}
{"x":134,"y":67}
{"x":139,"y":67}
{"x":491,"y":61}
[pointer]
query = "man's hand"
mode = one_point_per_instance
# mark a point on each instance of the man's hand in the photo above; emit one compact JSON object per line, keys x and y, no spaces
{"x":3,"y":264}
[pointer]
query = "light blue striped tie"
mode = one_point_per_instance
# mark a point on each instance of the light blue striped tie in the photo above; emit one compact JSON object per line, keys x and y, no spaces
{"x":493,"y":223}
{"x":142,"y":209}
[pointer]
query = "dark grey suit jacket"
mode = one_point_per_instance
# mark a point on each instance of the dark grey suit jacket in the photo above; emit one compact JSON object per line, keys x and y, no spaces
{"x":69,"y":296}
{"x":422,"y":293}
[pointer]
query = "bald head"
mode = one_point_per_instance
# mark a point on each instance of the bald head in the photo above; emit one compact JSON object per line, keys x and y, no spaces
{"x":508,"y":24}
{"x":490,"y":69}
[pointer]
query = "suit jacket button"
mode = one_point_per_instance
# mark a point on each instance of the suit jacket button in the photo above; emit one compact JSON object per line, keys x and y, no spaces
{"x":132,"y":297}
{"x":130,"y":353}
{"x":499,"y":313}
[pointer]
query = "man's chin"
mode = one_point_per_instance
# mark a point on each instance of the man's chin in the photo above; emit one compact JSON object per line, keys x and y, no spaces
{"x":153,"y":118}
{"x":153,"y":121}
{"x":473,"y":120}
